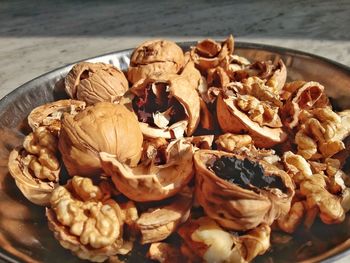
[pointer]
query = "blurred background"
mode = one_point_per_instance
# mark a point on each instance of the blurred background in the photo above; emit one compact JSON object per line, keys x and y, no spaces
{"x":38,"y":36}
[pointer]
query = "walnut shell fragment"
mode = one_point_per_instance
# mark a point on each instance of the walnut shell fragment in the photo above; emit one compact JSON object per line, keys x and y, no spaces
{"x":233,"y":120}
{"x":157,"y":224}
{"x":210,"y":54}
{"x":49,"y":115}
{"x":168,"y":105}
{"x":207,"y":240}
{"x":164,"y":253}
{"x":35,"y":166}
{"x":241,"y":205}
{"x":275,"y":75}
{"x":103,"y":127}
{"x":95,"y":82}
{"x":152,"y":181}
{"x":86,"y":221}
{"x":155,"y":57}
{"x":301,"y":96}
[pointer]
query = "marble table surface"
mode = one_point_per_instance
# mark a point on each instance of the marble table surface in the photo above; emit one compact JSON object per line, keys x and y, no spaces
{"x":38,"y":36}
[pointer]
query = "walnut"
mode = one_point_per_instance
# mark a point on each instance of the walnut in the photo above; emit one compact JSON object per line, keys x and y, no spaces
{"x":153,"y":181}
{"x":232,"y":119}
{"x":160,"y":222}
{"x":96,"y":82}
{"x":259,"y":111}
{"x":301,"y":96}
{"x":86,"y":223}
{"x":166,"y":106}
{"x":217,"y":77}
{"x":315,"y":137}
{"x":49,"y":115}
{"x":102,"y":127}
{"x":274,"y":75}
{"x":232,"y":142}
{"x":240,"y":204}
{"x":313,"y":187}
{"x":201,"y":141}
{"x":155,"y":57}
{"x":209,"y":241}
{"x":35,"y":166}
{"x":210,"y":54}
{"x":164,"y":253}
{"x":292,"y":220}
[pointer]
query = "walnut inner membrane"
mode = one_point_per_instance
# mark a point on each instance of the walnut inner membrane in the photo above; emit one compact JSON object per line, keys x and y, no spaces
{"x":245,"y":173}
{"x":157,"y":108}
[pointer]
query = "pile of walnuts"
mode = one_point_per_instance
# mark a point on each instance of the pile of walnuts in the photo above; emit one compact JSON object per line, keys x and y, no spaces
{"x":143,"y":148}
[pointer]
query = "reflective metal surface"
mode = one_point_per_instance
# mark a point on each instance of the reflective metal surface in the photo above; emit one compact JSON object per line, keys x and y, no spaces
{"x":24,"y":235}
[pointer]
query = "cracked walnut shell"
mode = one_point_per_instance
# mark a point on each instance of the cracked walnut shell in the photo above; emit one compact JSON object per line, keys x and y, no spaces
{"x":207,"y":240}
{"x":233,"y":120}
{"x":104,"y":127}
{"x":95,"y":82}
{"x":237,"y":205}
{"x":152,"y":181}
{"x":210,"y":54}
{"x":166,"y":105}
{"x":35,"y":166}
{"x":50,"y":114}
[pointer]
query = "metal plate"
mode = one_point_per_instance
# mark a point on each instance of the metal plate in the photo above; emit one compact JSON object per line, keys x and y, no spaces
{"x":24,"y":235}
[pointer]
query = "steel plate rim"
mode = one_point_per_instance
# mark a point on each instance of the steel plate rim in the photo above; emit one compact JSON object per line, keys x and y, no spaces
{"x":239,"y":44}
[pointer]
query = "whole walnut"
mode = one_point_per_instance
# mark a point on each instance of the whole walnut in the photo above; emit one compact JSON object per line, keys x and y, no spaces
{"x":104,"y":127}
{"x":95,"y":82}
{"x":153,"y":57}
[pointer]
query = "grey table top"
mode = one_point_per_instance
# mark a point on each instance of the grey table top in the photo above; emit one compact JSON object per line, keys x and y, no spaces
{"x":38,"y":36}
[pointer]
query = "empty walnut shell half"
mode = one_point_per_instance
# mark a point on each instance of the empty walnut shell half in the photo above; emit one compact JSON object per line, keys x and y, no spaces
{"x":49,"y":115}
{"x":159,"y":223}
{"x":155,"y":57}
{"x":233,"y":120}
{"x":95,"y":82}
{"x":167,"y":105}
{"x":86,"y":221}
{"x":151,"y":182}
{"x":103,"y":127}
{"x":210,"y":53}
{"x":241,"y":192}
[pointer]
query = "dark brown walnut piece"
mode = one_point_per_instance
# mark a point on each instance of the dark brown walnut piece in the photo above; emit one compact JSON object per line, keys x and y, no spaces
{"x":155,"y":57}
{"x":95,"y":82}
{"x":104,"y":127}
{"x":241,"y":192}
